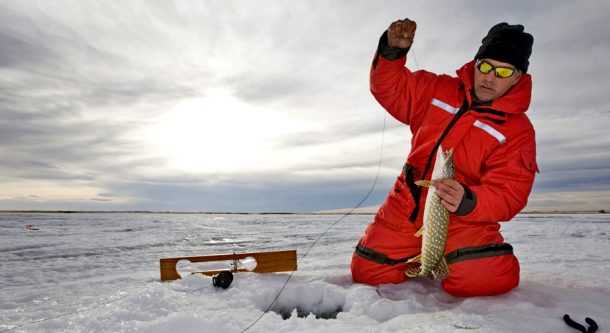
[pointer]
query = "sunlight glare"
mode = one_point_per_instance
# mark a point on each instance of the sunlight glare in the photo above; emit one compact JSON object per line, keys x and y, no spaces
{"x":217,"y":133}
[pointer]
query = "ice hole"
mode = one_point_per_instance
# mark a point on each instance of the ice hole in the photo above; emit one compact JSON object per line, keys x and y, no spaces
{"x":318,"y":299}
{"x":288,"y":312}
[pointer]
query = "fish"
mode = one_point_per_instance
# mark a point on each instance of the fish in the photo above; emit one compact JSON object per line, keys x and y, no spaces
{"x":436,"y":224}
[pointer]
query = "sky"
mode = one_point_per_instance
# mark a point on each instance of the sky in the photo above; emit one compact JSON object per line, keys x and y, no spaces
{"x":264,"y":106}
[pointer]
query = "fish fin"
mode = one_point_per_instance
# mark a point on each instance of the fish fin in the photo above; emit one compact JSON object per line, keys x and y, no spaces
{"x":447,"y":156}
{"x":441,"y":271}
{"x":413,"y":272}
{"x":423,"y":183}
{"x":417,"y":258}
{"x":419,"y":232}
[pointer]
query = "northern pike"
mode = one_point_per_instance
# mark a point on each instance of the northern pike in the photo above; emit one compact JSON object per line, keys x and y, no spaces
{"x":436,"y":224}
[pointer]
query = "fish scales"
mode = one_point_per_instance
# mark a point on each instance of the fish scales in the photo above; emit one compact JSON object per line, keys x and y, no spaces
{"x":436,"y":223}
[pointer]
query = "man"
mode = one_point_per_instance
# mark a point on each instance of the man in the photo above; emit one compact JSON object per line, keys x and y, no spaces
{"x":480,"y":114}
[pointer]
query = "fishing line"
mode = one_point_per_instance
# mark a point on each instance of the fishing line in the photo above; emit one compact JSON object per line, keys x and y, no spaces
{"x":339,"y":220}
{"x":97,"y":305}
{"x":127,"y":293}
{"x":328,"y":228}
{"x":414,"y":58}
{"x":289,"y":276}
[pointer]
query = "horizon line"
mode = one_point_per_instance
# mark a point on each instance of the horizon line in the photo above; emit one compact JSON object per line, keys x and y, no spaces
{"x":333,"y":212}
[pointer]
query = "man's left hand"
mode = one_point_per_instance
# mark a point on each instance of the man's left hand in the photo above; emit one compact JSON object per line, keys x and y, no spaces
{"x":450,"y":191}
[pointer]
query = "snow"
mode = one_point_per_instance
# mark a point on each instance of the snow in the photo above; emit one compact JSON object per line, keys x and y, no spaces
{"x":100,"y":273}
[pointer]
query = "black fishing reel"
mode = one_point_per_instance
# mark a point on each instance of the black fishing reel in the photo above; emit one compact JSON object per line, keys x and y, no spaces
{"x":223,"y":279}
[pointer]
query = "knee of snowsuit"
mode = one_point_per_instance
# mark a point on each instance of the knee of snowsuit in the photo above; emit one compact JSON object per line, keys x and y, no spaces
{"x":483,"y":276}
{"x":480,"y":263}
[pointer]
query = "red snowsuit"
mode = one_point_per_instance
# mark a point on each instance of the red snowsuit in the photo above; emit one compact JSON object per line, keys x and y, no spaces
{"x":495,"y":157}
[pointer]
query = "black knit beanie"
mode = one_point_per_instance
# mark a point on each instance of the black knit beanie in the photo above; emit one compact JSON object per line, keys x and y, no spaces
{"x":507,"y":43}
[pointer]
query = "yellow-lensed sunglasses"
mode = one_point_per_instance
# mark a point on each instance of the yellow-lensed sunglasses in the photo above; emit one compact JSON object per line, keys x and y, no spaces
{"x":502,"y":72}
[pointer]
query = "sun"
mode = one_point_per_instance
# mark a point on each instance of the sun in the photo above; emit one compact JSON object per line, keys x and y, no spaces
{"x":217,"y":133}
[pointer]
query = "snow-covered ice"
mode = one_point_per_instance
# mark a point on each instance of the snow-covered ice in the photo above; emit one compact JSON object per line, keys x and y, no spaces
{"x":100,"y":273}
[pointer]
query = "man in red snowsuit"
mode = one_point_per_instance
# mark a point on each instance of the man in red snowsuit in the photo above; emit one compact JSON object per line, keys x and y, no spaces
{"x":480,"y":114}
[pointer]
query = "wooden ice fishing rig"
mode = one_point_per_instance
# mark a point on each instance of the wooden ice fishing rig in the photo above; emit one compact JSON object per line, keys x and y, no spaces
{"x":266,"y":262}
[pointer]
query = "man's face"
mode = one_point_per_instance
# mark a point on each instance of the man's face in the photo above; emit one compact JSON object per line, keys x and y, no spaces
{"x":488,"y":87}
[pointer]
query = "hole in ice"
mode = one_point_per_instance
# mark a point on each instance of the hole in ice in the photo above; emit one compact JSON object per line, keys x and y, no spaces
{"x":185,"y":267}
{"x":321,"y":300}
{"x":287,"y":312}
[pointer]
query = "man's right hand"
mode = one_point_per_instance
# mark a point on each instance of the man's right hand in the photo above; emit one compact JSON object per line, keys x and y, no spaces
{"x":401,"y":33}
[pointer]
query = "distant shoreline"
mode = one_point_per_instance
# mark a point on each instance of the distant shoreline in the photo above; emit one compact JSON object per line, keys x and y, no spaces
{"x":145,"y":212}
{"x":600,"y":211}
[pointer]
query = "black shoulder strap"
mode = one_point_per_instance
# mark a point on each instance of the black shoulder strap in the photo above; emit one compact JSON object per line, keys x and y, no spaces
{"x":417,"y":192}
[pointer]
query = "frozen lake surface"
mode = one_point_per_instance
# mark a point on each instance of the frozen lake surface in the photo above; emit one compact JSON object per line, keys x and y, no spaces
{"x":100,"y":273}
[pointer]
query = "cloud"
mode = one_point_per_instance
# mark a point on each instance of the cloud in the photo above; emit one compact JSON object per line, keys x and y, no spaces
{"x":81,"y":81}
